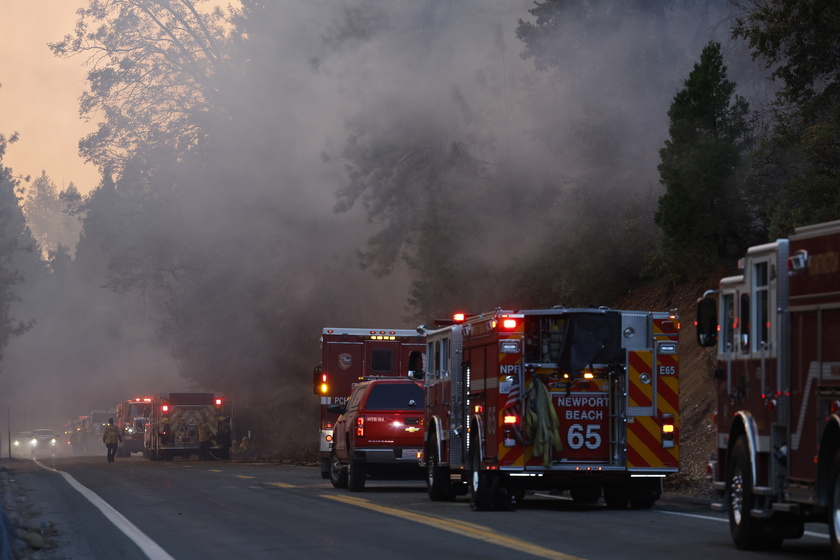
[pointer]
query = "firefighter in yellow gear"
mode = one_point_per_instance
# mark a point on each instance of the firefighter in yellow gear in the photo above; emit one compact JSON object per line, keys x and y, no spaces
{"x":111,"y":437}
{"x":203,"y":441}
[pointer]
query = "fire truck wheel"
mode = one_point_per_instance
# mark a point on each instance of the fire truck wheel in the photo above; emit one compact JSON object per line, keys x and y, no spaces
{"x":834,"y":507}
{"x":437,"y":479}
{"x":748,"y":532}
{"x":585,"y":492}
{"x":616,"y":495}
{"x":483,"y":486}
{"x":337,"y":472}
{"x":356,"y":473}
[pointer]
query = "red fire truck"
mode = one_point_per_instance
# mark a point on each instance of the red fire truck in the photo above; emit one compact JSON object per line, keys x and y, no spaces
{"x":350,"y":355}
{"x":172,"y":429}
{"x":584,"y":400}
{"x":778,"y":388}
{"x":131,"y":418}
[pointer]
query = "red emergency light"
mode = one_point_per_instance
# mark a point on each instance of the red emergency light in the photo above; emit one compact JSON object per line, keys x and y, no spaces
{"x":164,"y":408}
{"x":218,"y":401}
{"x":459,"y":317}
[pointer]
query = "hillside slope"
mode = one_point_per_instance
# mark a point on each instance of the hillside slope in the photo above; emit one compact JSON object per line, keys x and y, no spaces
{"x":697,"y":404}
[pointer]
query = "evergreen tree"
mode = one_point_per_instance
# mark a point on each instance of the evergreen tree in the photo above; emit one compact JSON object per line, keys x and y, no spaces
{"x":15,"y":239}
{"x":705,"y":214}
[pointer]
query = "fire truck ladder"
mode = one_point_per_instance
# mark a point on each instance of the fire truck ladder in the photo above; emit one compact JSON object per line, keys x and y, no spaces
{"x":458,"y":426}
{"x":618,"y":416}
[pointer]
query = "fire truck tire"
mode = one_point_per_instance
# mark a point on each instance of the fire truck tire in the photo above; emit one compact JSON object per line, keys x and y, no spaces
{"x":617,"y":495}
{"x":748,"y":532}
{"x":585,"y":492}
{"x":356,"y":473}
{"x":644,"y":492}
{"x":437,"y":479}
{"x":486,"y":492}
{"x":337,"y":472}
{"x":834,"y":507}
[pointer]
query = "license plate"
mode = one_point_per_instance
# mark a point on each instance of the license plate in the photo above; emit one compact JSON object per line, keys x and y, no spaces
{"x":410,"y":453}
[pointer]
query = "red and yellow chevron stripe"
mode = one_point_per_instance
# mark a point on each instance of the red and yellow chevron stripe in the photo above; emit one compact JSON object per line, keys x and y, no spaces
{"x":639,"y":394}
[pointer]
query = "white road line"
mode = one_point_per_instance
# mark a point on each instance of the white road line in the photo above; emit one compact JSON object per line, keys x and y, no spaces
{"x":152,"y":550}
{"x":726,"y":520}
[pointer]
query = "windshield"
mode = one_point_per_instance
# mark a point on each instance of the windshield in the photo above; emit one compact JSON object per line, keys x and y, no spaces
{"x":43,"y":433}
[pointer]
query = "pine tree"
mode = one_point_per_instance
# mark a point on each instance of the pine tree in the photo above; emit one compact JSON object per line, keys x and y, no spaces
{"x":705,"y":214}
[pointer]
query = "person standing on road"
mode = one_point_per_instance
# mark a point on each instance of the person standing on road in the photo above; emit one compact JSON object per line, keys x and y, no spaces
{"x":111,"y":437}
{"x":203,"y":441}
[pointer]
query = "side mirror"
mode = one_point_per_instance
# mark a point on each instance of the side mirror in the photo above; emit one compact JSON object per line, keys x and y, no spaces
{"x":707,"y":322}
{"x":336,"y":409}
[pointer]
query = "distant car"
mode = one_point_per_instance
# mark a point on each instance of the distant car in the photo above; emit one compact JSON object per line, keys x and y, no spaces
{"x":22,"y":443}
{"x":43,"y":441}
{"x":380,"y":433}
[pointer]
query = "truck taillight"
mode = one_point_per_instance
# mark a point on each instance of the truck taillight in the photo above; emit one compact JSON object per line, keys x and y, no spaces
{"x":360,"y":426}
{"x":508,"y":324}
{"x":510,"y":422}
{"x":324,"y":388}
{"x":668,"y":430}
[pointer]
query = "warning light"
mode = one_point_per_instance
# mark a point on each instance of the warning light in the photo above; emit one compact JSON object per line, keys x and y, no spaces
{"x":510,"y":419}
{"x":668,"y":431}
{"x":164,"y":408}
{"x":459,"y":317}
{"x":360,"y":426}
{"x":218,"y":402}
{"x":324,"y":388}
{"x":508,"y":324}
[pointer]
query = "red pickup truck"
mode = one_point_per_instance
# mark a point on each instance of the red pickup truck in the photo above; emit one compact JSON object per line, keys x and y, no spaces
{"x":379,"y":433}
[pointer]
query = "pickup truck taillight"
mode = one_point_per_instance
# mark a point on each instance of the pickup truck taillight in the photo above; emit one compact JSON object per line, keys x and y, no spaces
{"x":360,"y":426}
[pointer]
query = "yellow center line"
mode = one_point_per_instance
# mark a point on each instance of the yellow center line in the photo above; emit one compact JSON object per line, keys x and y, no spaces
{"x":243,"y":476}
{"x":280,"y":484}
{"x":458,"y":527}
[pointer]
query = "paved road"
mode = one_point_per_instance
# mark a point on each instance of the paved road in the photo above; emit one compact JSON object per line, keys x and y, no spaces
{"x":187,"y":509}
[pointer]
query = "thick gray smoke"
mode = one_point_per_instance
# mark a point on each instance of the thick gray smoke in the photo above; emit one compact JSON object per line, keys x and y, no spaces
{"x":264,"y":261}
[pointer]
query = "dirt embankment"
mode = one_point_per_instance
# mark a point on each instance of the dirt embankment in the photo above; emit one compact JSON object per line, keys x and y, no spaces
{"x":697,"y":403}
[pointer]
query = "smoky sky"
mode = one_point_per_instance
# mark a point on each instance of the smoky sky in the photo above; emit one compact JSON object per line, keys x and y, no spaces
{"x":594,"y":119}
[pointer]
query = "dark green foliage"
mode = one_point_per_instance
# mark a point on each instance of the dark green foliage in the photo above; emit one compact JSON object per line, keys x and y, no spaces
{"x":705,"y":213}
{"x":798,"y":160}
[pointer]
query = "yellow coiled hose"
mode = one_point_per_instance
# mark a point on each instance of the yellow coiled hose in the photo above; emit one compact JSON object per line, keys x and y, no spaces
{"x":541,"y":423}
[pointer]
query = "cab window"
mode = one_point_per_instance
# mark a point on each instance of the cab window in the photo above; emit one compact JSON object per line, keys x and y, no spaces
{"x":395,"y":396}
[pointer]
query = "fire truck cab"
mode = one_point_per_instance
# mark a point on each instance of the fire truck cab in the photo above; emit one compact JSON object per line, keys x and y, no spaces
{"x":578,"y":400}
{"x":777,"y":370}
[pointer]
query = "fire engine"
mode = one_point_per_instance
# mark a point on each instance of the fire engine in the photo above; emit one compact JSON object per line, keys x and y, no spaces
{"x":350,"y":355}
{"x":172,"y":429}
{"x":131,"y":419}
{"x":777,"y":374}
{"x":584,"y":400}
